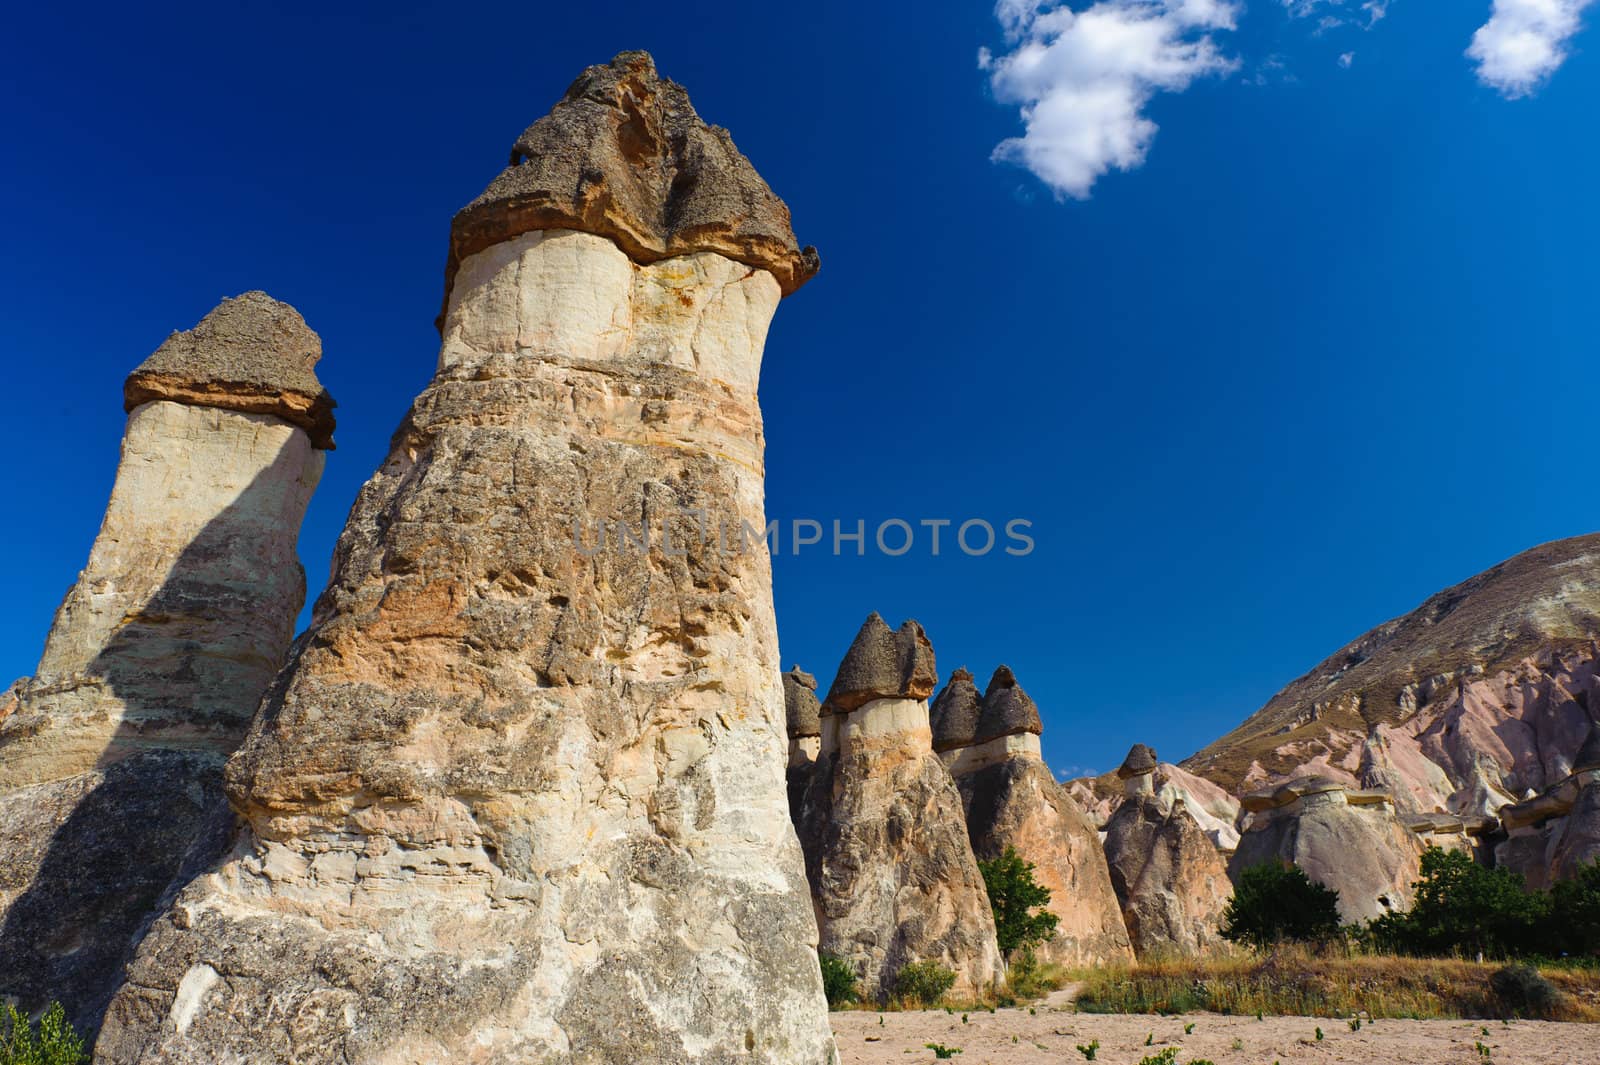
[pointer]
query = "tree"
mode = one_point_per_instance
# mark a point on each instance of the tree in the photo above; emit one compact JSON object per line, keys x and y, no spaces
{"x":1018,"y":901}
{"x":1276,"y":901}
{"x":1465,"y":908}
{"x":838,"y":981}
{"x":1575,"y":913}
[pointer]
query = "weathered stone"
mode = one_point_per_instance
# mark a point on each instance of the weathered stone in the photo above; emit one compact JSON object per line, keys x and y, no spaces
{"x":1141,"y":760}
{"x":893,"y":877}
{"x":1007,"y":710}
{"x":1011,"y":800}
{"x":1169,"y":878}
{"x":111,"y":754}
{"x":1214,"y":809}
{"x":800,"y":704}
{"x":519,"y":795}
{"x":883,"y":664}
{"x":1352,"y":842}
{"x":954,"y":714}
{"x":624,"y":156}
{"x":250,"y":354}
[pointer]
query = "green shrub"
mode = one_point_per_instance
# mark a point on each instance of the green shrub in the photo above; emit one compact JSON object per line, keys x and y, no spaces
{"x":1276,"y":902}
{"x":942,"y":1051}
{"x":1027,"y":978}
{"x":923,"y":983}
{"x":1166,"y":1057}
{"x":1524,"y":992}
{"x":838,"y":981}
{"x":1018,"y":901}
{"x":1089,"y":1051}
{"x":1575,"y":914}
{"x":1465,"y":908}
{"x":55,"y":1044}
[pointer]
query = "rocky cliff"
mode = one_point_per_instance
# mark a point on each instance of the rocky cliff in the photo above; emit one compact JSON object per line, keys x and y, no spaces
{"x":519,"y":794}
{"x":1479,"y":696}
{"x":111,"y":753}
{"x":893,"y":876}
{"x":1011,"y":800}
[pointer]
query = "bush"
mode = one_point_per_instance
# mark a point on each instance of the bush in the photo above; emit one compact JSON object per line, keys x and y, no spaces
{"x":1276,"y":902}
{"x":1524,"y":992}
{"x":1028,"y":979}
{"x":1575,"y":914}
{"x":923,"y":983}
{"x":56,"y":1043}
{"x":1018,"y":901}
{"x":1465,"y":908}
{"x":838,"y":981}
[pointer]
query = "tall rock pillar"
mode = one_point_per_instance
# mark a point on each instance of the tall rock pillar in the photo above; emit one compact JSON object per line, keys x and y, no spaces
{"x":892,"y":872}
{"x":991,"y":747}
{"x":111,"y":757}
{"x":519,"y":796}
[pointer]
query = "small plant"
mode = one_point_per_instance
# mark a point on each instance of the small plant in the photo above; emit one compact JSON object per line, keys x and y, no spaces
{"x":1150,"y":1040}
{"x":55,"y":1044}
{"x":941,"y":1051}
{"x":1525,"y":991}
{"x":1166,"y":1057}
{"x":1089,"y":1051}
{"x":963,"y":1018}
{"x":1018,"y":902}
{"x":1483,"y":1051}
{"x":838,"y":981}
{"x":923,"y":983}
{"x":1238,"y":1044}
{"x":1355,"y":1023}
{"x":1188,"y":1029}
{"x":1319,"y":1035}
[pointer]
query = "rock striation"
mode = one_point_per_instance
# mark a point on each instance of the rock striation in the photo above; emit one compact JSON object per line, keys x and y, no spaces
{"x":1169,"y":877}
{"x":519,"y":794}
{"x":111,"y":754}
{"x":1351,"y":841}
{"x":1011,"y":800}
{"x":1550,"y":835}
{"x":893,"y":875}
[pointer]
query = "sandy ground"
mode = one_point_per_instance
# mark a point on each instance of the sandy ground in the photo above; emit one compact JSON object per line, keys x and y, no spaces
{"x":1052,"y":1032}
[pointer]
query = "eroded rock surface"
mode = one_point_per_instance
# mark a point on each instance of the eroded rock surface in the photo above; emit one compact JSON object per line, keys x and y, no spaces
{"x":893,"y":876}
{"x":519,"y":795}
{"x":1011,"y":800}
{"x":1169,"y":877}
{"x":1351,"y":841}
{"x":111,"y":754}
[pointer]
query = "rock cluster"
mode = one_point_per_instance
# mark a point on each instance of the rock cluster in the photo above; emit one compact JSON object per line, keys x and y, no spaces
{"x":1011,"y":800}
{"x":111,"y":753}
{"x":519,"y":794}
{"x":1169,"y":877}
{"x":1548,"y":836}
{"x":1351,"y":841}
{"x":893,"y":875}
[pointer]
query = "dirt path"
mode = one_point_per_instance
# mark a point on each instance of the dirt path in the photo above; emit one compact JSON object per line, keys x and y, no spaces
{"x":1051,"y":1034}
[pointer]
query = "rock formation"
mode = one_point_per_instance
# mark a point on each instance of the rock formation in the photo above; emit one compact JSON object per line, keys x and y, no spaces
{"x":1550,"y":835}
{"x":892,"y":873}
{"x":1213,"y":809}
{"x":1011,"y":800}
{"x":111,"y":754}
{"x":1351,"y":841}
{"x":804,"y":714}
{"x":519,"y":794}
{"x":1465,"y":704}
{"x":1169,"y":877}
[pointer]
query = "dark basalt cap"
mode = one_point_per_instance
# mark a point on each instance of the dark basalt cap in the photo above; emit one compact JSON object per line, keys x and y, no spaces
{"x":625,"y":156}
{"x":1141,"y":760}
{"x":1589,"y":754}
{"x":800,"y":704}
{"x":954,"y":714}
{"x":1007,"y":710}
{"x":883,"y":664}
{"x":251,"y":354}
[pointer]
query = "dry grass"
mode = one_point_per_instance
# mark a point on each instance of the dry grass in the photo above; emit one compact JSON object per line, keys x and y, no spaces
{"x":1297,"y":982}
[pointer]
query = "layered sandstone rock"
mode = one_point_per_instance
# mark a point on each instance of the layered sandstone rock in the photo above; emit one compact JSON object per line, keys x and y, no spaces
{"x":1351,"y":841}
{"x":892,"y":872}
{"x":1011,"y":800}
{"x":1169,"y":877}
{"x":1549,"y":836}
{"x":519,"y":795}
{"x":1216,"y":811}
{"x":804,"y":714}
{"x":111,"y":754}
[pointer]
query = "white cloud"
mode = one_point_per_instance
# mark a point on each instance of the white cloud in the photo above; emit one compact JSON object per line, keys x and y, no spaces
{"x":1524,"y":42}
{"x":1346,"y":59}
{"x":1082,"y":79}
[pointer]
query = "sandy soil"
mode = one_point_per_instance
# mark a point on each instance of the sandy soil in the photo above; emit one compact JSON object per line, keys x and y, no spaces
{"x":1051,"y":1034}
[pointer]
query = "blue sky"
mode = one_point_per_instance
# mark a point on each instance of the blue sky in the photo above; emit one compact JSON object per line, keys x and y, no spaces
{"x":1318,"y":346}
